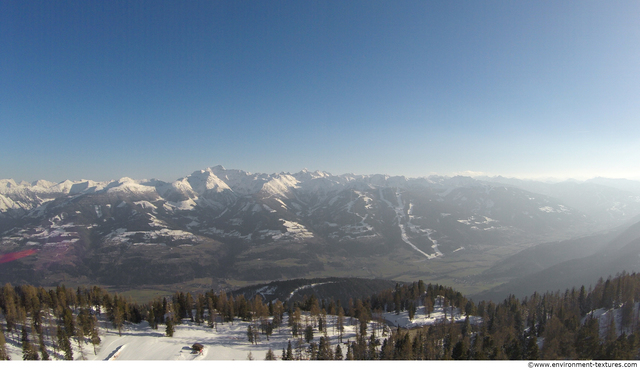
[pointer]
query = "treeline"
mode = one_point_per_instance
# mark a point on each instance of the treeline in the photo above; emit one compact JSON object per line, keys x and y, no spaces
{"x":212,"y":309}
{"x":49,"y":323}
{"x":550,"y":326}
{"x":546,"y":326}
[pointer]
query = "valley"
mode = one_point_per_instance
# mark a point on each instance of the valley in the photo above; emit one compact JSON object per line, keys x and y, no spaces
{"x":227,"y":228}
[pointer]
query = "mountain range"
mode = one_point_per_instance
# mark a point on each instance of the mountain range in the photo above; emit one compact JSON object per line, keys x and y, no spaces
{"x":222,"y":227}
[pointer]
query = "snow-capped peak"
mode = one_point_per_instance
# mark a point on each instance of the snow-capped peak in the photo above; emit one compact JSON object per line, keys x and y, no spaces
{"x":280,"y":184}
{"x":202,"y":181}
{"x":7,"y":185}
{"x":126,"y":184}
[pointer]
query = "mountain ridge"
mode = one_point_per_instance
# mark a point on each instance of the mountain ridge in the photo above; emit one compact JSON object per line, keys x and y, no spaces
{"x":233,"y":225}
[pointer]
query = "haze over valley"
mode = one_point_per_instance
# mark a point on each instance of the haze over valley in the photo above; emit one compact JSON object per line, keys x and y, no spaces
{"x":226,"y":228}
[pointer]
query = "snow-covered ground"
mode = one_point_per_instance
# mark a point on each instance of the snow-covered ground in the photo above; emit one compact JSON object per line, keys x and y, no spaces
{"x":227,"y":342}
{"x":604,"y":317}
{"x":421,"y":318}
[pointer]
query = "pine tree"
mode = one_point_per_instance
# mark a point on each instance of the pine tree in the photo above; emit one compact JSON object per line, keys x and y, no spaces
{"x":69,"y":321}
{"x":558,"y":341}
{"x":4,"y":354}
{"x":396,"y":299}
{"x":43,"y":347}
{"x":338,"y":353}
{"x":386,"y":351}
{"x":308,"y":334}
{"x":10,"y":311}
{"x":80,"y":341}
{"x":199,"y":309}
{"x":95,"y":334}
{"x":312,"y":351}
{"x":214,"y":319}
{"x":28,"y":351}
{"x":299,"y":348}
{"x":118,"y":318}
{"x":459,"y":351}
{"x":169,"y":330}
{"x":612,"y":334}
{"x":250,"y":335}
{"x":411,"y":310}
{"x":230,"y":310}
{"x":188,"y":306}
{"x":324,"y":349}
{"x":532,"y":351}
{"x":270,"y":355}
{"x":340,"y":324}
{"x":587,"y":339}
{"x":403,"y":349}
{"x":350,"y":353}
{"x":289,"y":352}
{"x":64,"y":344}
{"x":608,"y":295}
{"x":514,"y":349}
{"x":151,"y":318}
{"x":428,"y":306}
{"x":627,"y":314}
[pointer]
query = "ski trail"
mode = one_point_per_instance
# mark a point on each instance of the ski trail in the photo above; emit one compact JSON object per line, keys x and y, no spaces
{"x":307,"y":286}
{"x":435,"y":243}
{"x":403,"y":233}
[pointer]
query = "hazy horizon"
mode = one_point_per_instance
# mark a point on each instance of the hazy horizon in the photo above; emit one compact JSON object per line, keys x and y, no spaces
{"x":540,"y":178}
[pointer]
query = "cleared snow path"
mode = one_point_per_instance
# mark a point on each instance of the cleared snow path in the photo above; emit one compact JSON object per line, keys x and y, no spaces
{"x":307,"y":286}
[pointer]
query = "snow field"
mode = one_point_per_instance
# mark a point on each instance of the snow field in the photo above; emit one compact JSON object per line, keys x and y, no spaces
{"x":421,"y":318}
{"x":227,"y":342}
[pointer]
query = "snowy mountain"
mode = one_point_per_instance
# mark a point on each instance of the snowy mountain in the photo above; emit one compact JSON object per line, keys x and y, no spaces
{"x":231,"y":224}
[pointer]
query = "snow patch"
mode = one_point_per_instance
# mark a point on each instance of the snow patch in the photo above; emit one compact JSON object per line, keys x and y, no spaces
{"x":549,"y":209}
{"x":188,"y":204}
{"x":267,"y":208}
{"x":145,"y":205}
{"x":423,"y":318}
{"x":296,"y":230}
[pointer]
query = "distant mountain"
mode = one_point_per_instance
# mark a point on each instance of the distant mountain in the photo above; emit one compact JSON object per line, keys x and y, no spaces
{"x":232,"y":226}
{"x":607,"y":201}
{"x":607,"y":255}
{"x":543,"y":256}
{"x":619,"y":183}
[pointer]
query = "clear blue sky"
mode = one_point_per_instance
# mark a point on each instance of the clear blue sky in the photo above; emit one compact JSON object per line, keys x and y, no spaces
{"x":106,"y":89}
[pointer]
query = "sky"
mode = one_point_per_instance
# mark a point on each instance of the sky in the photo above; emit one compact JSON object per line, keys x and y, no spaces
{"x":158,"y":89}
